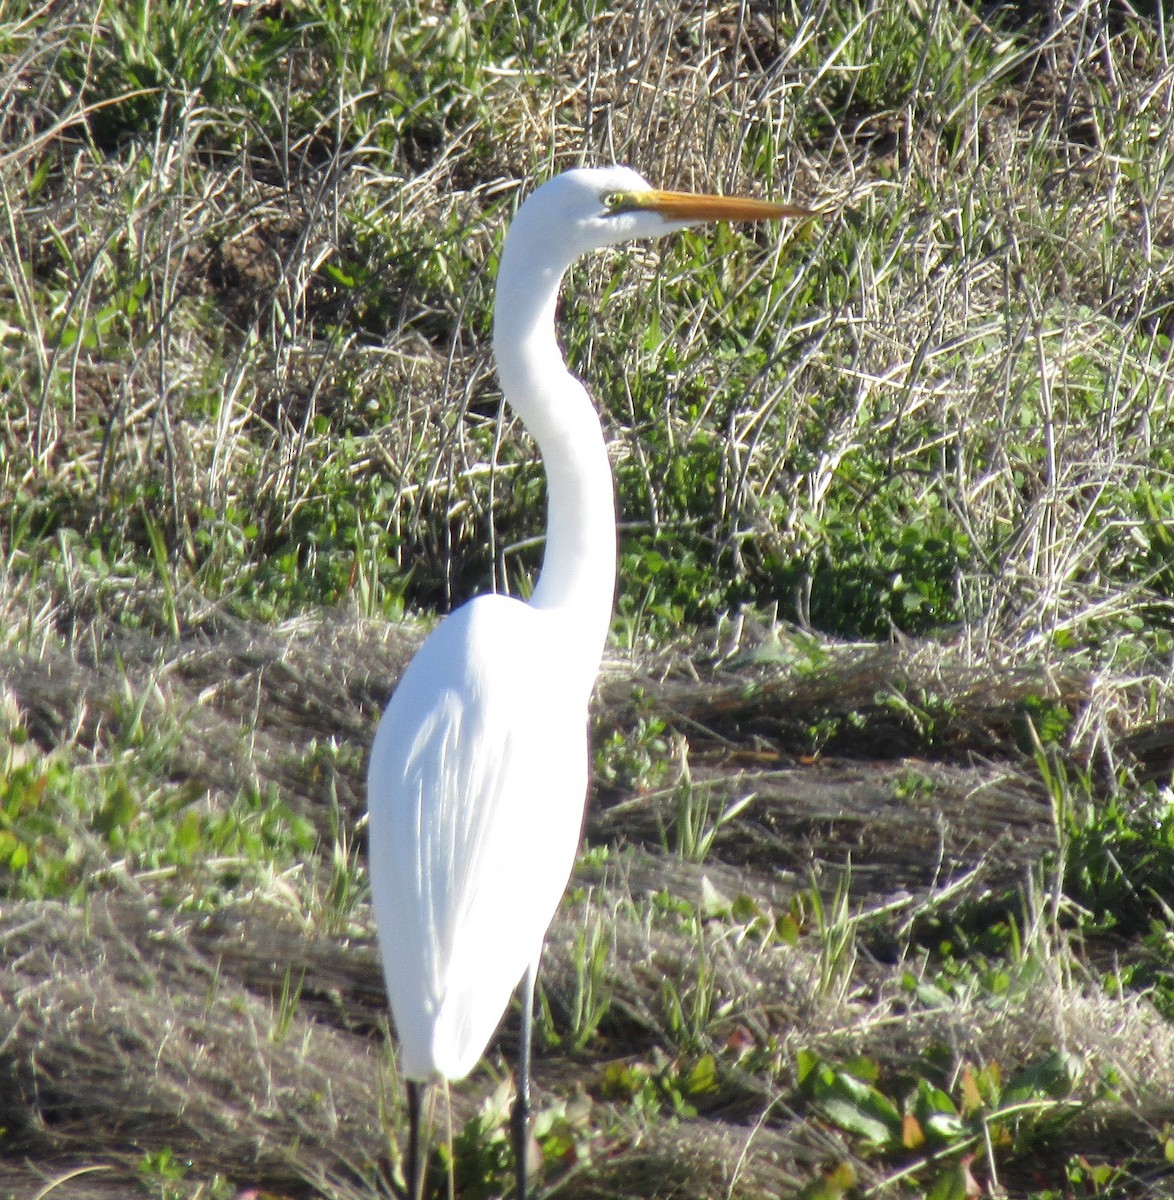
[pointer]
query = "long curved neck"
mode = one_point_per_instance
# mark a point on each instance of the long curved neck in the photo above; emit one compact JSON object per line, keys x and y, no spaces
{"x":577,"y":581}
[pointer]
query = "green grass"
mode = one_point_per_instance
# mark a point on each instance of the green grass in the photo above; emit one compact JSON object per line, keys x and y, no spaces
{"x":929,"y":409}
{"x":70,"y":829}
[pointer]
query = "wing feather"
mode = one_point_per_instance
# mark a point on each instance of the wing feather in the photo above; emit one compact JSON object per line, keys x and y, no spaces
{"x":476,"y":786}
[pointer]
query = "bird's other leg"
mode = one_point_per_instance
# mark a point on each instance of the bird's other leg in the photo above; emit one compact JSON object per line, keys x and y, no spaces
{"x":521,"y":1114}
{"x":412,"y":1168}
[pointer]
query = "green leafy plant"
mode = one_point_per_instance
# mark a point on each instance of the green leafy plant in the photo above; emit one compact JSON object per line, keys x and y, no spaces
{"x":637,"y":760}
{"x":163,"y":1174}
{"x":479,"y":1163}
{"x":480,"y":1160}
{"x":939,"y":1131}
{"x":661,"y":1084}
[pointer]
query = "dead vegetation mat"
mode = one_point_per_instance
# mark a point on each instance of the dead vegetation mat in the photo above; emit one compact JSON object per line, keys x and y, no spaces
{"x":250,"y":1042}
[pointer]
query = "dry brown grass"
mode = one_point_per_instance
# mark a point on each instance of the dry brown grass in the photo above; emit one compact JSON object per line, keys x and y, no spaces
{"x":131,"y":1028}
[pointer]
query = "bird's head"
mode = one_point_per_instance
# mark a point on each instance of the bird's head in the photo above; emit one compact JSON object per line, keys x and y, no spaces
{"x":590,"y":207}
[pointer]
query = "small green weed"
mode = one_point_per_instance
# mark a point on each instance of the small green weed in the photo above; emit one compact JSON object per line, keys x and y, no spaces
{"x":594,"y":946}
{"x":336,"y":906}
{"x":836,"y":929}
{"x":1118,"y":860}
{"x":695,"y":825}
{"x":591,"y":956}
{"x":637,"y":761}
{"x":1114,"y":853}
{"x":565,"y":1131}
{"x":38,"y":857}
{"x":163,"y":1175}
{"x":913,"y":784}
{"x":692,"y":1002}
{"x":1152,"y":972}
{"x":944,"y":1122}
{"x":287,"y":1004}
{"x":661,"y":1084}
{"x":480,"y":1163}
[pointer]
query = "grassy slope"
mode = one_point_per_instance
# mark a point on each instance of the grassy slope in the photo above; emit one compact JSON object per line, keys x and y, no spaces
{"x":246,"y":268}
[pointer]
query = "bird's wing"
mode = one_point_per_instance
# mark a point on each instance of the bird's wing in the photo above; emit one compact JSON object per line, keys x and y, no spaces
{"x":476,"y":787}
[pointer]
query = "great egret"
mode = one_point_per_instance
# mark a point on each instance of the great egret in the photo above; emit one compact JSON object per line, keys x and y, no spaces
{"x":478,"y":773}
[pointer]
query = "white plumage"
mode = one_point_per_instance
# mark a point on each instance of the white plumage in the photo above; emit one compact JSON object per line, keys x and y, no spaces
{"x":478,"y":773}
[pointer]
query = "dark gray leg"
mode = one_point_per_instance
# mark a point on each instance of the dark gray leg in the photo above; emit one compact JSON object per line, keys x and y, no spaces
{"x":521,"y":1115}
{"x":412,"y":1171}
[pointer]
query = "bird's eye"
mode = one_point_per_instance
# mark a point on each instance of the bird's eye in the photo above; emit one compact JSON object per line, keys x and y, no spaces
{"x":613,"y":201}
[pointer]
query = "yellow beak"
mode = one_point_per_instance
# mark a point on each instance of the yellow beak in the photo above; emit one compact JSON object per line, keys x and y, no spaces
{"x":687,"y":206}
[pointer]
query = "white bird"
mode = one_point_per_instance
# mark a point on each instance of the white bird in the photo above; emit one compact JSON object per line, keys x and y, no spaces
{"x":478,"y":774}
